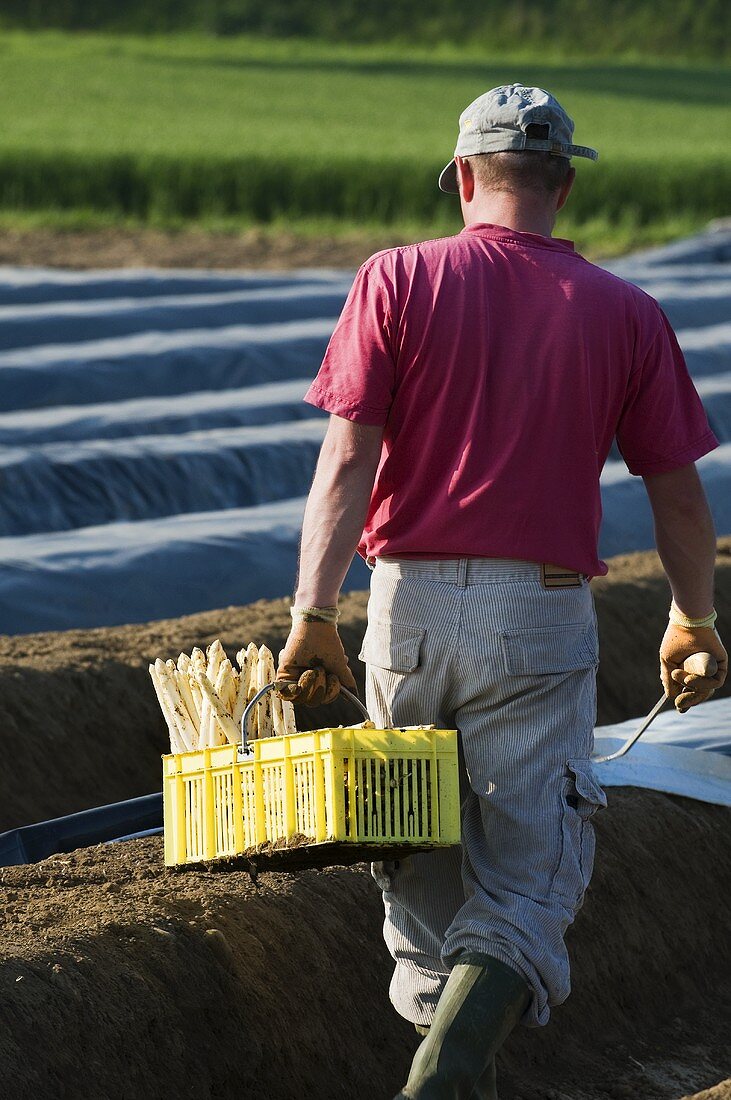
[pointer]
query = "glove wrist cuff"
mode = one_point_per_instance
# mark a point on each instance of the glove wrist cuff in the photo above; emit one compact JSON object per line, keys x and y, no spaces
{"x":314,"y":615}
{"x":677,"y":618}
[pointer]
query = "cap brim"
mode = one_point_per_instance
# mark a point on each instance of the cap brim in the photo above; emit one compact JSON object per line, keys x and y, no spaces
{"x":448,"y":179}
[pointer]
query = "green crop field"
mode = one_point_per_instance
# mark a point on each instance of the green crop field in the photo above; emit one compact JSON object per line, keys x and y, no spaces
{"x":251,"y":131}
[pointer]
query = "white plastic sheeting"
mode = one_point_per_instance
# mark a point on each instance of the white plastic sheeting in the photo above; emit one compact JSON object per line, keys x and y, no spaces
{"x":686,"y":754}
{"x":60,"y":486}
{"x":155,"y":451}
{"x":134,"y":572}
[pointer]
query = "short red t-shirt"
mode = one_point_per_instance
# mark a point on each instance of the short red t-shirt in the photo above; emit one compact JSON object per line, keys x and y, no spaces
{"x":502,"y":365}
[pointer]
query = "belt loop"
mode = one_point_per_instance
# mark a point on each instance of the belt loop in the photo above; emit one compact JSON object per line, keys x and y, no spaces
{"x":462,"y":572}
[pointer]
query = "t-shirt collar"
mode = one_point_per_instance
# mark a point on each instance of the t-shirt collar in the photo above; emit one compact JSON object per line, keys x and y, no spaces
{"x":502,"y":232}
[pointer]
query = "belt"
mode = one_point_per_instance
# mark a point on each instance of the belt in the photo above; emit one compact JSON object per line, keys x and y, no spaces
{"x":551,"y":576}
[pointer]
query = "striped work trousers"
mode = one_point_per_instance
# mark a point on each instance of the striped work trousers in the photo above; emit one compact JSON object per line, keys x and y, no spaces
{"x":480,"y":645}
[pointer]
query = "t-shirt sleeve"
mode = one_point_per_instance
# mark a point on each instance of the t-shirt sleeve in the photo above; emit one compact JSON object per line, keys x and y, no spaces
{"x":663,"y":425}
{"x":357,"y":376}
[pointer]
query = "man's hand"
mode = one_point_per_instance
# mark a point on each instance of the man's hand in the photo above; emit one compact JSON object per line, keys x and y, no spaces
{"x":687,"y":689}
{"x":313,"y":665}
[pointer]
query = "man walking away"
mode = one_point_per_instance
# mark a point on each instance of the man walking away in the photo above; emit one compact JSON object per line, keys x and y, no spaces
{"x":476,"y":384}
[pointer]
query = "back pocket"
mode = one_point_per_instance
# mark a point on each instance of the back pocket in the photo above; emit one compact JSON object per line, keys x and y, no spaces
{"x":392,"y":646}
{"x":545,"y":649}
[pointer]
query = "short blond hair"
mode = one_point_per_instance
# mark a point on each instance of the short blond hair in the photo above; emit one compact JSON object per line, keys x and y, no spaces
{"x":520,"y":170}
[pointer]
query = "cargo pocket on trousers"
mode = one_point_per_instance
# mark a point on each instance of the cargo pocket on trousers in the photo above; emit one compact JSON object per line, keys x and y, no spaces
{"x":581,"y":797}
{"x":392,"y":646}
{"x":566,"y":647}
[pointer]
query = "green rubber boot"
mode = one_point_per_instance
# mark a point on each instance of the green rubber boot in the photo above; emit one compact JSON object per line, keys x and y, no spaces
{"x":486,"y":1087}
{"x":481,"y":1003}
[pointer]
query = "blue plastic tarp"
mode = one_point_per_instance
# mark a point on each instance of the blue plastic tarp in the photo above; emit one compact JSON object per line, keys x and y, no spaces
{"x":31,"y":843}
{"x":155,"y":449}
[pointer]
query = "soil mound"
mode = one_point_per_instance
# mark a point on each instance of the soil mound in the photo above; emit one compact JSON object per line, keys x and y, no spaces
{"x":123,"y":980}
{"x":80,"y":725}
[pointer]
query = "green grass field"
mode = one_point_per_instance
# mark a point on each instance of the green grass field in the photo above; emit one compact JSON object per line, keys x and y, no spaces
{"x":242,"y":131}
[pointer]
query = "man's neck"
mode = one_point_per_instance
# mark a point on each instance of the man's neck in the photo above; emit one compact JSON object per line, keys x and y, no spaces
{"x":512,"y":212}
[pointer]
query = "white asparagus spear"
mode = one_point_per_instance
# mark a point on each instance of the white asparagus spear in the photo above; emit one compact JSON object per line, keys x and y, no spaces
{"x":197,"y":695}
{"x":264,"y":676}
{"x":197,"y":663}
{"x":277,"y":714}
{"x":244,"y":662}
{"x":197,"y":668}
{"x":224,"y":674}
{"x":231,"y":690}
{"x":192,"y":702}
{"x":208,"y":722}
{"x":175,"y":704}
{"x":176,"y":745}
{"x":288,"y":717}
{"x":282,"y":709}
{"x":189,"y":719}
{"x":214,"y":655}
{"x":182,"y":679}
{"x":252,"y":653}
{"x":224,"y":719}
{"x":222,"y":687}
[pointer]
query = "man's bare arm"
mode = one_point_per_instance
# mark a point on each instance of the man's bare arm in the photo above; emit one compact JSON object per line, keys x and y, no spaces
{"x":686,"y":543}
{"x":685,"y":537}
{"x":313,"y":665}
{"x":336,"y":509}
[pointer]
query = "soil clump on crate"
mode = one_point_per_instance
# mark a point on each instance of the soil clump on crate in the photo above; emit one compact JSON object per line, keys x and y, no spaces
{"x":80,"y":725}
{"x":300,"y":852}
{"x":122,"y":979}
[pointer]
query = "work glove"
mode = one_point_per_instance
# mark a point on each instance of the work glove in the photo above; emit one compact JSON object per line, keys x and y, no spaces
{"x":687,"y":689}
{"x":313,"y":665}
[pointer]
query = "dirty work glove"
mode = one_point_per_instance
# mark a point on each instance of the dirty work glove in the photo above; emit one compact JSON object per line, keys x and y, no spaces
{"x":313,"y":664}
{"x":683,"y":638}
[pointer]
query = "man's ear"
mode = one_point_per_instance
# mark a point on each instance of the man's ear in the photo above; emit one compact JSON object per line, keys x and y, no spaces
{"x":465,"y":179}
{"x":566,"y":188}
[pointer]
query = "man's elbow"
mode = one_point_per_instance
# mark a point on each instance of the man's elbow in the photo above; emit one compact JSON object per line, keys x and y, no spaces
{"x":678,"y":494}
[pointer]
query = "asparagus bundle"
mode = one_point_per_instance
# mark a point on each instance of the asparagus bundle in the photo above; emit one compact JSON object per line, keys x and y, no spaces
{"x":203,"y":697}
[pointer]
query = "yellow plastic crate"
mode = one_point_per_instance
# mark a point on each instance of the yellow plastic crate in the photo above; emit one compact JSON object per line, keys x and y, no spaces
{"x":370,"y":787}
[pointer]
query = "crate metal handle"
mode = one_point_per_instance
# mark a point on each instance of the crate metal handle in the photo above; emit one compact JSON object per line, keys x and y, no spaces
{"x":244,"y":747}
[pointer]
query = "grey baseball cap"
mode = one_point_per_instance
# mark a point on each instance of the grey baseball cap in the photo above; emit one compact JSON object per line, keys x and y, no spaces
{"x":515,"y":117}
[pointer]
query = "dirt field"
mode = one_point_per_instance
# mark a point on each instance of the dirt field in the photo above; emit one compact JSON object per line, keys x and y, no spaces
{"x":253,"y":248}
{"x":80,"y":725}
{"x":121,"y":980}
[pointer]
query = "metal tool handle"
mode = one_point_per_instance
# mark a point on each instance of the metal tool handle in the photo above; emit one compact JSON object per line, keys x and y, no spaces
{"x":700,"y":664}
{"x":244,"y":749}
